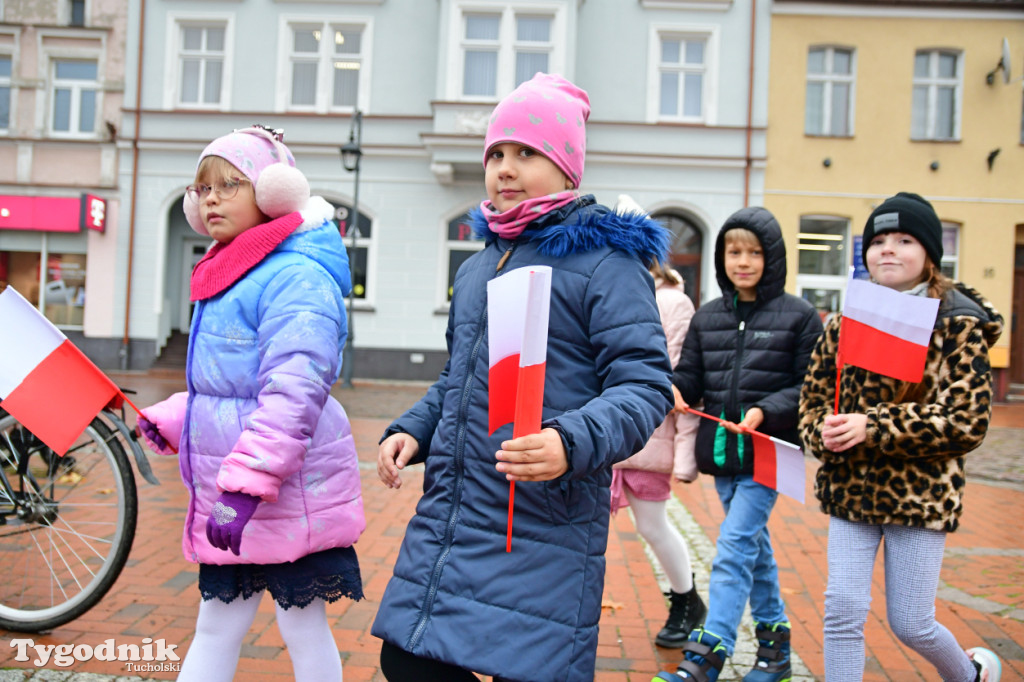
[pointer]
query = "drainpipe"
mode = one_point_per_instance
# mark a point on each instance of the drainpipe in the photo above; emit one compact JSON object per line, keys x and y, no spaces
{"x":125,"y":341}
{"x":748,"y":162}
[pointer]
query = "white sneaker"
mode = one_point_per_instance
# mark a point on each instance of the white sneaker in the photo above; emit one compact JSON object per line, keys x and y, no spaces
{"x":986,"y":660}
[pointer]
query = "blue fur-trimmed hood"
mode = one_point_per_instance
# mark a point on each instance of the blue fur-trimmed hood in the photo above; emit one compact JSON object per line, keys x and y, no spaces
{"x":585,"y":225}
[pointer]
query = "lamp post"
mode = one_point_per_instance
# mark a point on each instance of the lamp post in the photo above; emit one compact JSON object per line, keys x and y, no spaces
{"x":351,"y":153}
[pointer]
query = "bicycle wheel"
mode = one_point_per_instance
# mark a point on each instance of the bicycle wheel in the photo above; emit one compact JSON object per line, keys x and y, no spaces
{"x":66,"y":532}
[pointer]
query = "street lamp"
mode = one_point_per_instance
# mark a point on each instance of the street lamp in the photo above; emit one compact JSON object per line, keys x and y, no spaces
{"x":351,"y":153}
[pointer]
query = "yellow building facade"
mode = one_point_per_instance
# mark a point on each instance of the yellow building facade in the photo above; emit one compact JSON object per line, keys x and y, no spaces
{"x":868,"y":100}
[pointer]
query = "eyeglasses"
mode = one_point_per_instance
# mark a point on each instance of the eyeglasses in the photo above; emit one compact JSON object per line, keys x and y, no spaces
{"x":225,"y":189}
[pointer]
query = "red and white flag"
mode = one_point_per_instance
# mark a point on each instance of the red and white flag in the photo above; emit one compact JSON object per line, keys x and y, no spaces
{"x":517,"y":336}
{"x":779,"y":465}
{"x":886,"y":331}
{"x":46,"y":383}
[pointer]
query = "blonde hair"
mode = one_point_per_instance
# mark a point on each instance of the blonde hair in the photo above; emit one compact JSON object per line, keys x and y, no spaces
{"x":217,"y":168}
{"x":742,"y":236}
{"x":658,"y":268}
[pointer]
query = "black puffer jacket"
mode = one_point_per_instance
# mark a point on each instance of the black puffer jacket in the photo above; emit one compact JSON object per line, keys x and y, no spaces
{"x":733,"y":364}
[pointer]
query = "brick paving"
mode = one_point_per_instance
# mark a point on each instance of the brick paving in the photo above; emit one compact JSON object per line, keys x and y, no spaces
{"x":981,"y":597}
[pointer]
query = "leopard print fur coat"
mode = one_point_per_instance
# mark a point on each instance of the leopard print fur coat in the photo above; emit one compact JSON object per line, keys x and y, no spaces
{"x":910,"y":469}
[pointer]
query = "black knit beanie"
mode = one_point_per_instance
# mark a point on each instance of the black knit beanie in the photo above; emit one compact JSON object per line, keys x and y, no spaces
{"x":910,"y":213}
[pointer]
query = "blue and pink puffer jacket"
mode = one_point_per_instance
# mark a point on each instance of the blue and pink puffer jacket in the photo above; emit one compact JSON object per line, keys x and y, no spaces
{"x":258,"y":416}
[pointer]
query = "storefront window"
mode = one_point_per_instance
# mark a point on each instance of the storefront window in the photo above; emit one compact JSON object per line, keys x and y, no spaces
{"x":62,"y":295}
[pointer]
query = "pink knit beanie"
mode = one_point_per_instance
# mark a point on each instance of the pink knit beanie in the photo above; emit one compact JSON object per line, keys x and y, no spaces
{"x":261,"y":156}
{"x":546,"y":113}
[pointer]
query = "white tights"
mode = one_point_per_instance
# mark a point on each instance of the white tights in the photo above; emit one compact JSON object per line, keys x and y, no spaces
{"x":665,"y":541}
{"x":220,"y":628}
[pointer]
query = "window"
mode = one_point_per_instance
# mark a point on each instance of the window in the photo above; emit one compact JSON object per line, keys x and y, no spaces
{"x":461,"y":243}
{"x":359,"y":258}
{"x":829,"y":107}
{"x":500,"y":45}
{"x":824,"y":261}
{"x":201,"y":56}
{"x":327,"y":67}
{"x":5,"y":91}
{"x":61,"y":295}
{"x":77,"y":12}
{"x":75,"y":97}
{"x":950,"y":250}
{"x":935,"y":112}
{"x":682,"y":71}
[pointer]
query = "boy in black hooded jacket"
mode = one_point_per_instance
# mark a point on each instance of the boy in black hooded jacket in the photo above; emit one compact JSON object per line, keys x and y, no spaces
{"x":745,"y":357}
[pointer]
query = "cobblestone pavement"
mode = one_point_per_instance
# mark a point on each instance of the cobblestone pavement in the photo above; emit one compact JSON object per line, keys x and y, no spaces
{"x":981,"y":597}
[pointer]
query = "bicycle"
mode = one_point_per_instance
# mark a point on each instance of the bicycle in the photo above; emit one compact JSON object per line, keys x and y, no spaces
{"x":66,"y":523}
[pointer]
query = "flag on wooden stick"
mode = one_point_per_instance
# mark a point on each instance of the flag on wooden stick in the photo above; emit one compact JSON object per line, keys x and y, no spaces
{"x":46,"y":383}
{"x":886,"y":331}
{"x":518,"y":304}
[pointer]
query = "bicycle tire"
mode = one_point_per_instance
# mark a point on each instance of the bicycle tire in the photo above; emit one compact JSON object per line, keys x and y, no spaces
{"x":70,"y":547}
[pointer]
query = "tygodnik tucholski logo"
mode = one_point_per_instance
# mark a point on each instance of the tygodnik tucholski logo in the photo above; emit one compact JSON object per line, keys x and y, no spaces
{"x":151,"y":656}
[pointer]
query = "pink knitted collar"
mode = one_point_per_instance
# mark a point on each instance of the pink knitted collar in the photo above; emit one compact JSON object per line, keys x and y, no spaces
{"x":225,"y":264}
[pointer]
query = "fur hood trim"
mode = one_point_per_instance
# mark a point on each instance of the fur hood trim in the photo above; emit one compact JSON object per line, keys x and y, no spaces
{"x":587,"y":226}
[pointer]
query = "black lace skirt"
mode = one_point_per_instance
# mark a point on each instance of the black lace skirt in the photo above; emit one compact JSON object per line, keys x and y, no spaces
{"x":328,"y":575}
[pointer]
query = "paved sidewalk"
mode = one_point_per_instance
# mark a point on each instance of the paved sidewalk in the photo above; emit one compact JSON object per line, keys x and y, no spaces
{"x":981,"y":595}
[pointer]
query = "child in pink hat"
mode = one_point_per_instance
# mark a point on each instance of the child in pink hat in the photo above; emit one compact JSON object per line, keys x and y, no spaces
{"x":266,"y":453}
{"x":458,"y":604}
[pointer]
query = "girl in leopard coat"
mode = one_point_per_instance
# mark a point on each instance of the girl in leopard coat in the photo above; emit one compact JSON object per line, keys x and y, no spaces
{"x":892,"y":459}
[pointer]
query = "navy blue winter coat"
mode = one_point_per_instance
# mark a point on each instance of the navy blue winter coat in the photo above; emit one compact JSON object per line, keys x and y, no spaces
{"x":735,"y":364}
{"x":532,"y":614}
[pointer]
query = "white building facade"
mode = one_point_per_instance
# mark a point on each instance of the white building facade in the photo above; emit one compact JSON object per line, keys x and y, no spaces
{"x":678,"y":94}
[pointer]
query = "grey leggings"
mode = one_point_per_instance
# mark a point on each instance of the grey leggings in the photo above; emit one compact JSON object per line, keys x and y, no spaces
{"x":913,"y":559}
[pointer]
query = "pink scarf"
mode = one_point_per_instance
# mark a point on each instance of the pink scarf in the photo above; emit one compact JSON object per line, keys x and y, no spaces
{"x":511,"y":223}
{"x":225,"y":264}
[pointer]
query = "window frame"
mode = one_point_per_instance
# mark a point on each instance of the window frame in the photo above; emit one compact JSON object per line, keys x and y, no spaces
{"x":445,"y":248}
{"x":324,"y":93}
{"x":829,"y":282}
{"x":709,"y":87}
{"x":558,"y":46}
{"x":951,"y":260}
{"x":77,"y":88}
{"x":366,"y":302}
{"x":829,"y":78}
{"x":933,"y":82}
{"x":176,"y":23}
{"x":8,"y":82}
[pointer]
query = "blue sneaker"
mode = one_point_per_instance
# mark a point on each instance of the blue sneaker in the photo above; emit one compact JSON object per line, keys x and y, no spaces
{"x":772,"y":654}
{"x":985,"y":661}
{"x":704,"y":658}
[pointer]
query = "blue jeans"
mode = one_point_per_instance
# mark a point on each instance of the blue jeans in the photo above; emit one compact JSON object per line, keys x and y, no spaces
{"x":744,"y":567}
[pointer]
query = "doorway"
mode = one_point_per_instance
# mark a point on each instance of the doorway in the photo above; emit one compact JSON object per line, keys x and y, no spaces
{"x":685,"y":251}
{"x":193,"y":252}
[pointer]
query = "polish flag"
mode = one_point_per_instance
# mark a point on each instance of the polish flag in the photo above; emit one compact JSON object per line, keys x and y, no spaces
{"x":518,"y":304}
{"x":886,"y":331}
{"x":779,"y":465}
{"x":517,"y":338}
{"x":46,"y":383}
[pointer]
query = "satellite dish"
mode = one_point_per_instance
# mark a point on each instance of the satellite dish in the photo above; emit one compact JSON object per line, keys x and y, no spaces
{"x":1004,"y":65}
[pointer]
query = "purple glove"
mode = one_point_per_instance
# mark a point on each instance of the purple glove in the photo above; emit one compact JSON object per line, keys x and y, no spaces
{"x":156,"y":442}
{"x":227,"y":519}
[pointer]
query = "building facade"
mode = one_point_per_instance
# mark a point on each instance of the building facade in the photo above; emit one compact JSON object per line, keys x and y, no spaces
{"x":678,"y":92}
{"x":868,"y":99}
{"x":62,"y":68}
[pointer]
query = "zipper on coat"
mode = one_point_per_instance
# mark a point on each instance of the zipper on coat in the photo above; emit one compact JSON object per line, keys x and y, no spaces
{"x":733,"y":406}
{"x":460,"y":443}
